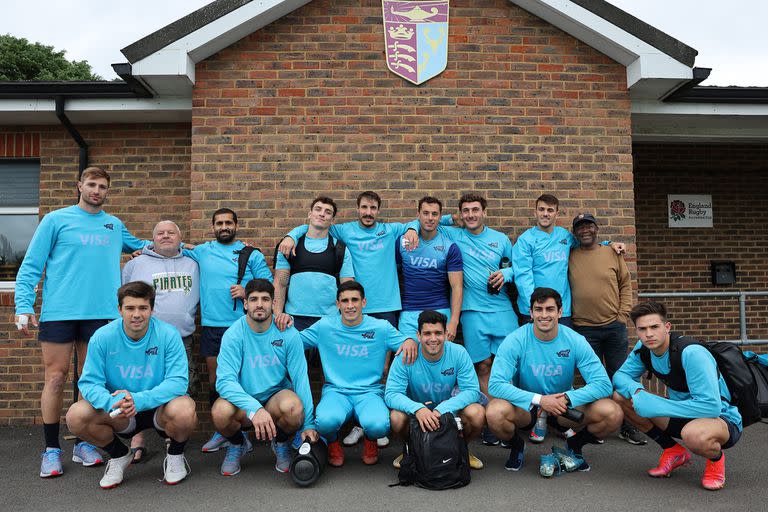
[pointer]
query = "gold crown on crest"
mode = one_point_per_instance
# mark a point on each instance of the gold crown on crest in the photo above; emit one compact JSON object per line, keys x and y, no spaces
{"x":400,"y":32}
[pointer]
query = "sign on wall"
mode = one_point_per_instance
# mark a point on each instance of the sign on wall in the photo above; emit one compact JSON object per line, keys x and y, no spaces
{"x":416,"y":38}
{"x":689,"y":211}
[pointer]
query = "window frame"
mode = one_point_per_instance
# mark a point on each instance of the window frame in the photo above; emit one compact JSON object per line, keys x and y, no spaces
{"x":19,"y":210}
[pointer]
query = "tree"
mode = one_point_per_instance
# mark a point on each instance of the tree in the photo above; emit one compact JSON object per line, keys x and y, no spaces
{"x":22,"y":60}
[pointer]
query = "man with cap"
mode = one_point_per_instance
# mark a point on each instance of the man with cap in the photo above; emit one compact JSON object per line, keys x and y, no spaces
{"x":601,"y":294}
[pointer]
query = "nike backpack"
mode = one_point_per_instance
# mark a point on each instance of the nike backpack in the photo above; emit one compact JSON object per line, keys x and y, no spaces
{"x":435,"y":460}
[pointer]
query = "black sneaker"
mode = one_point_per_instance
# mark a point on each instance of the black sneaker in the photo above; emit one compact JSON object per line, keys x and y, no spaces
{"x":631,"y":435}
{"x":488,"y":438}
{"x":516,"y":456}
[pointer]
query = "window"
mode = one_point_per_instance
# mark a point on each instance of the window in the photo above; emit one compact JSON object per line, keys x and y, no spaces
{"x":19,"y":202}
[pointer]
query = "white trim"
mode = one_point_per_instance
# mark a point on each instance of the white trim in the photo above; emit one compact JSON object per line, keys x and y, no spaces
{"x":708,"y":109}
{"x":7,"y":286}
{"x":162,"y":109}
{"x":19,"y":210}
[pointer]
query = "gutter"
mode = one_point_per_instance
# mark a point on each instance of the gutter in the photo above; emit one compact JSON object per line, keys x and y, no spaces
{"x":62,"y":115}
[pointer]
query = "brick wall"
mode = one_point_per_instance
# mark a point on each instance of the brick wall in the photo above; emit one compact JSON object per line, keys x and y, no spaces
{"x":149,"y":166}
{"x":679,"y":259}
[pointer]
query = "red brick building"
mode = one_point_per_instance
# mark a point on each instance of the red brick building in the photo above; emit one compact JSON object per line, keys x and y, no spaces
{"x":260,"y":106}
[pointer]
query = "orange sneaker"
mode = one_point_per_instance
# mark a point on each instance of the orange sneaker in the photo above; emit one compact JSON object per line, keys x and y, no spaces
{"x":671,"y":459}
{"x":714,"y":475}
{"x":370,"y":452}
{"x":335,"y":454}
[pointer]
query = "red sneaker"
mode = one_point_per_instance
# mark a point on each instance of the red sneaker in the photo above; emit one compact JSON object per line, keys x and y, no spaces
{"x":370,"y":452}
{"x":335,"y":454}
{"x":671,"y":459}
{"x":714,"y":475}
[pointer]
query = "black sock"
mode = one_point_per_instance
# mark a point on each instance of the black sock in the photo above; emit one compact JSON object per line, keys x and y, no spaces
{"x":78,"y":440}
{"x":116,"y":448}
{"x":212,"y":395}
{"x":516,"y":442}
{"x":719,"y":456}
{"x":176,"y":447}
{"x":51,"y":435}
{"x":577,"y":442}
{"x":282,"y":436}
{"x":661,"y":437}
{"x":237,"y":438}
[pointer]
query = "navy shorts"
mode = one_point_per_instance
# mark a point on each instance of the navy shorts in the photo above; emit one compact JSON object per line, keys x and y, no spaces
{"x":142,"y":421}
{"x":68,"y":331}
{"x":390,"y":316}
{"x":675,"y":429}
{"x":210,"y":340}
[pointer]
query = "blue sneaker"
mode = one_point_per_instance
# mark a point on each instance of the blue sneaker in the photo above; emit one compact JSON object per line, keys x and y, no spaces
{"x":570,"y":460}
{"x":488,"y":438}
{"x":297,"y":442}
{"x":231,"y":464}
{"x":51,"y":463}
{"x":86,"y":454}
{"x":516,"y":457}
{"x":215,"y":443}
{"x":283,"y":456}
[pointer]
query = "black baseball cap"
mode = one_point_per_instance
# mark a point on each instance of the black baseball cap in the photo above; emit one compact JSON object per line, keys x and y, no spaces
{"x":584,"y":217}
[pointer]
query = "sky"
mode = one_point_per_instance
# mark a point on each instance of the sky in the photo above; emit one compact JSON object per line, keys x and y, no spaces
{"x":731,"y":37}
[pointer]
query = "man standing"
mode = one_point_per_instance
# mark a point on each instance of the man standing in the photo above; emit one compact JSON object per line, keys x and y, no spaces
{"x":320,"y":262}
{"x":135,"y":378}
{"x":262,"y":381}
{"x":221,"y":295}
{"x":698,"y":410}
{"x":433,"y":273}
{"x":176,"y":281}
{"x":353,"y":350}
{"x":425,"y":388}
{"x":602,"y":297}
{"x":534,"y":370}
{"x":79,"y":247}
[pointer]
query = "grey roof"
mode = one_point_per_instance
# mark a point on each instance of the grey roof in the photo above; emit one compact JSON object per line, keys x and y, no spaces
{"x":205,"y":15}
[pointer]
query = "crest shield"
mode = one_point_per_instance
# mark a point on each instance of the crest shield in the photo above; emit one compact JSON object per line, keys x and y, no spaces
{"x":416,"y":38}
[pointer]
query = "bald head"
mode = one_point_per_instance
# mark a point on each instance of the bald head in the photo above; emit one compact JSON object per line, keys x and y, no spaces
{"x":166,"y":238}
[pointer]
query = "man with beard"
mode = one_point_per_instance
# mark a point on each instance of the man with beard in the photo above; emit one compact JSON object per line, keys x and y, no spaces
{"x":218,"y":261}
{"x":79,"y":247}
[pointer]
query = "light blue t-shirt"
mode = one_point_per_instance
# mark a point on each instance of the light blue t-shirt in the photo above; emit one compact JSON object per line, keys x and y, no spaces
{"x":540,"y":259}
{"x":218,"y":271}
{"x":153,"y":369}
{"x":525,"y":365}
{"x":313,"y":293}
{"x":254,"y":366}
{"x":707,"y":397}
{"x":373,"y":257}
{"x":425,"y":272}
{"x":409,"y":387}
{"x":353,"y":357}
{"x":482,"y":256}
{"x":80,"y":253}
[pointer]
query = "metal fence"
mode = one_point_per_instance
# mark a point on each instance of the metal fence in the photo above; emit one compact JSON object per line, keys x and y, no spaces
{"x":742,"y":296}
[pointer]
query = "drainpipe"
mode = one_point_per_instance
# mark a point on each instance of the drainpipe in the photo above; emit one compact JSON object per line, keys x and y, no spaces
{"x":73,"y":133}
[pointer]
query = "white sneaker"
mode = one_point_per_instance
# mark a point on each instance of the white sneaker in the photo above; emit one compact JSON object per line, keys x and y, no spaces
{"x":113,"y":473}
{"x":175,"y":469}
{"x":354,"y":436}
{"x":382,"y":442}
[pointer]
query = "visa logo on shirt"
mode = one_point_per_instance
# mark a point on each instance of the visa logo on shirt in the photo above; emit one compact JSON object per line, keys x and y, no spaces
{"x":486,"y":255}
{"x":546,"y":370}
{"x":136,"y":372}
{"x":99,"y":240}
{"x":423,"y":262}
{"x":352,"y":350}
{"x":436,"y":387}
{"x":373,"y":245}
{"x":551,"y":256}
{"x":263,"y":361}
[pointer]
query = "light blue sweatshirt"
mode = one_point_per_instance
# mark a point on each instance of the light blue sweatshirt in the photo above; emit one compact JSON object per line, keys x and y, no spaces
{"x":705,"y":387}
{"x":153,"y":369}
{"x":373,"y":257}
{"x":80,"y":253}
{"x":541,"y":260}
{"x":218,"y":271}
{"x":254,"y":366}
{"x":525,"y":366}
{"x":410,"y":387}
{"x":353,"y":357}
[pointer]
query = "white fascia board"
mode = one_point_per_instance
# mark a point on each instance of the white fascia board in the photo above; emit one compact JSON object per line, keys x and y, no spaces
{"x":698,"y":109}
{"x":178,"y":59}
{"x":642,"y":60}
{"x":95,"y":110}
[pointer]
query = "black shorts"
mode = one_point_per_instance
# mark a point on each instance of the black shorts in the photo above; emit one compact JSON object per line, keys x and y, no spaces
{"x":675,"y":429}
{"x":210,"y":340}
{"x":142,"y":421}
{"x":68,"y":331}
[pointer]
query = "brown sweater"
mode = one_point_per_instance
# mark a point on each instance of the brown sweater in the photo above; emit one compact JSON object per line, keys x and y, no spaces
{"x":601,"y":287}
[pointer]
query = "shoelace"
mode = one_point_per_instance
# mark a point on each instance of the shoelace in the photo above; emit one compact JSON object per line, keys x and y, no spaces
{"x":175,"y":464}
{"x":234,"y":452}
{"x":282,"y":449}
{"x":51,"y":456}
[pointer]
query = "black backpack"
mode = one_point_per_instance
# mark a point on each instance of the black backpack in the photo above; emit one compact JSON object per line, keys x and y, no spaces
{"x":338,"y":247}
{"x":746,"y":379}
{"x":435,"y":460}
{"x":242,"y":263}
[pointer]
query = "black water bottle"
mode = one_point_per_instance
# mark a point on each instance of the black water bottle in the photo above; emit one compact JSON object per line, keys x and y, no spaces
{"x":309,"y":462}
{"x":505,"y":263}
{"x":573,"y":415}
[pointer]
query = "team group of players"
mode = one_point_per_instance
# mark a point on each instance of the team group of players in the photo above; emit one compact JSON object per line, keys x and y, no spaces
{"x":351,"y":294}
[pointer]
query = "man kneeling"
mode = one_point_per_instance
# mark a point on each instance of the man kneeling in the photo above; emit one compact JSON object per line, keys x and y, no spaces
{"x":697,"y":410}
{"x":533,"y":374}
{"x":262,"y":382}
{"x":424,"y":388}
{"x":135,"y":377}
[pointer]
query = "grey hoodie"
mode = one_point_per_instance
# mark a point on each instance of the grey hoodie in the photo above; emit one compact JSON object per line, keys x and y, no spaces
{"x":177,"y":286}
